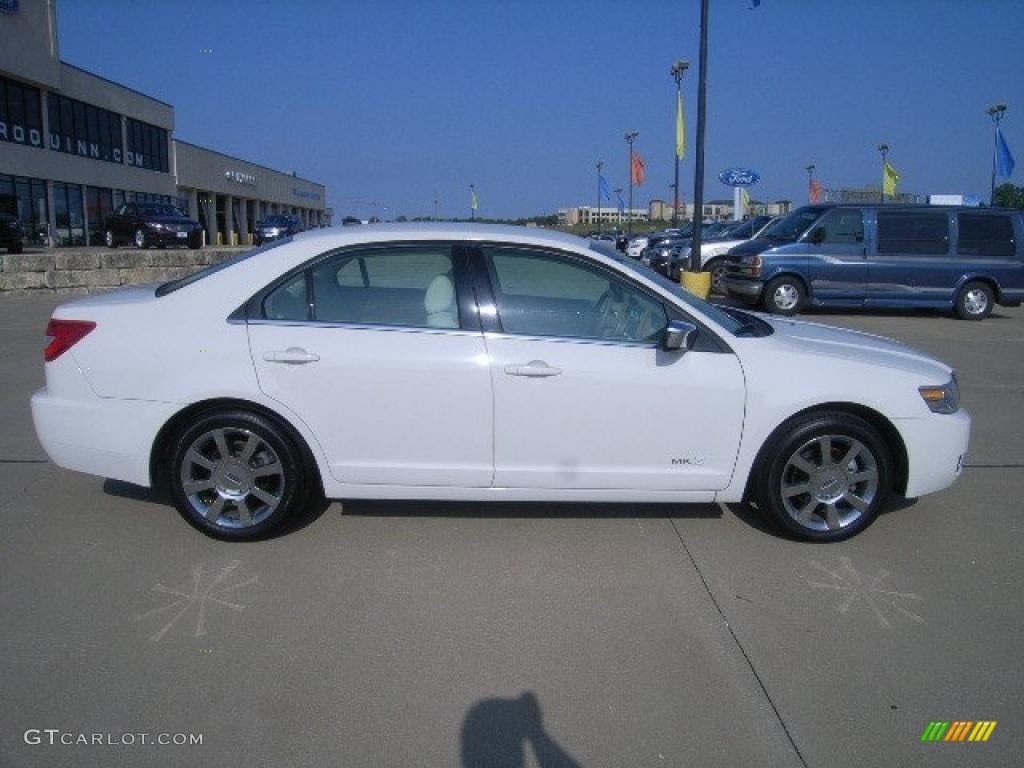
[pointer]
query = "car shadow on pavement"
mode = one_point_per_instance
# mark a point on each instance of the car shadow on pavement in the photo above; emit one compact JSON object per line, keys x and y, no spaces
{"x":312,"y":512}
{"x":496,"y":733}
{"x":525,"y":509}
{"x":748,"y":513}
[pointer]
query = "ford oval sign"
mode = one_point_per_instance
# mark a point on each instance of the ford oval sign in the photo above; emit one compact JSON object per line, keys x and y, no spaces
{"x":739,"y":177}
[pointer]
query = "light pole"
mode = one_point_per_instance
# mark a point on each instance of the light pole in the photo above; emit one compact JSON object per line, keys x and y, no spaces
{"x":810,"y":183}
{"x":600,"y":165}
{"x":698,"y":177}
{"x":996,"y":112}
{"x":472,"y":202}
{"x":678,"y":69}
{"x":884,"y":149}
{"x":618,"y":196}
{"x":631,"y":136}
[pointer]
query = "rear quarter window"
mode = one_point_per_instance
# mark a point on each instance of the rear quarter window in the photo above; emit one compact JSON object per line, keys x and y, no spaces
{"x":985,"y":235}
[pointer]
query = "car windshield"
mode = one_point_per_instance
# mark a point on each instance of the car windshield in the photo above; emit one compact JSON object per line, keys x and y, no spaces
{"x":791,"y":227}
{"x":274,"y":221}
{"x":173,"y":285}
{"x":730,"y":322}
{"x":152,"y":209}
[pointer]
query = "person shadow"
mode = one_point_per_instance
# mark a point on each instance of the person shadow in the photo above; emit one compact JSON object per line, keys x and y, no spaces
{"x":497,"y":732}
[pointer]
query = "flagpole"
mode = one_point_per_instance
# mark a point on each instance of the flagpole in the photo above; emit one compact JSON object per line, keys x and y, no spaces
{"x":698,"y":180}
{"x":884,"y":149}
{"x":600,"y":165}
{"x":810,"y":183}
{"x":472,"y":199}
{"x":630,"y":138}
{"x":618,"y":196}
{"x":677,"y":72}
{"x":996,"y":113}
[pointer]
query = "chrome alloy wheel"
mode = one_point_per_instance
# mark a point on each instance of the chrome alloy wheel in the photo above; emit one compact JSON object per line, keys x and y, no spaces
{"x":829,"y":482}
{"x":786,"y":297}
{"x":976,"y":301}
{"x":232,"y":478}
{"x":718,"y":279}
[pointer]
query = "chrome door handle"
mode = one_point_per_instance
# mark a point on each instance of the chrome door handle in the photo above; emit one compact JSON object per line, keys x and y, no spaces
{"x":291,"y":356}
{"x":536,"y":369}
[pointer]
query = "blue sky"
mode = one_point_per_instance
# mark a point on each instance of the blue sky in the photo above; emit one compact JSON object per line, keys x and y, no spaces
{"x":387,"y":102}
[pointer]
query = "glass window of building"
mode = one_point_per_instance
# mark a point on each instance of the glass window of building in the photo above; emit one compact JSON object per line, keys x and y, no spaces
{"x":20,"y":116}
{"x":69,"y":213}
{"x":26,"y":199}
{"x":83,"y":129}
{"x":146,"y":146}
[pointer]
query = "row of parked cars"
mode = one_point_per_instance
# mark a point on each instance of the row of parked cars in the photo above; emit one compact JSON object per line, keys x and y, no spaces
{"x":958,"y":258}
{"x":161,"y":224}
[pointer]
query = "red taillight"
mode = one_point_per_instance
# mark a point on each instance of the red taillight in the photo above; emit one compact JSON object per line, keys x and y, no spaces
{"x":62,"y":335}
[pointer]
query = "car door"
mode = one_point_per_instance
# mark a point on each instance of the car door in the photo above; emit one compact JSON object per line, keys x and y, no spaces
{"x":370,"y":348}
{"x":584,"y":395}
{"x":911,"y":262}
{"x":837,"y":260}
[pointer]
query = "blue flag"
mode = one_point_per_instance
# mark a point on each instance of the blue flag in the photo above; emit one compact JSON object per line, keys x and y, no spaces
{"x":603,"y":184}
{"x":1004,"y":160}
{"x":622,"y":203}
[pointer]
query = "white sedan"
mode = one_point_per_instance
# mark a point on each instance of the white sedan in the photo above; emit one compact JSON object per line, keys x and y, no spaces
{"x":482,"y":363}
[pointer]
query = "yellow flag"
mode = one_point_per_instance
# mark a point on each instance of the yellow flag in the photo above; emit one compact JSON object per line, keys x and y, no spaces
{"x":680,"y":127}
{"x":889,"y":179}
{"x":745,"y":197}
{"x":474,"y":203}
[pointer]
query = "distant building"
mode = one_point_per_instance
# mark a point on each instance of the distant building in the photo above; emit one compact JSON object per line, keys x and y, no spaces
{"x":871,"y":193}
{"x":587,"y":214}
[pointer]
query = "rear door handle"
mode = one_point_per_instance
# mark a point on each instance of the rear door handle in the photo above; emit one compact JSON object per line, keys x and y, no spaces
{"x":291,"y":356}
{"x":536,"y":369}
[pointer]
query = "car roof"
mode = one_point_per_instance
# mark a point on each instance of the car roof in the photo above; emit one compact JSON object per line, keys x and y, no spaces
{"x":336,"y":236}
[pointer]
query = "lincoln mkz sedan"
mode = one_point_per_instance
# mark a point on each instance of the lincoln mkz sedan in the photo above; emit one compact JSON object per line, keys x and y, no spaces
{"x":482,"y":363}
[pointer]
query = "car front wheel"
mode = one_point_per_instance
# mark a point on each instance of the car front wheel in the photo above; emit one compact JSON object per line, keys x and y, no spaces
{"x":826,"y":477}
{"x":784,"y":296}
{"x":140,"y":239}
{"x":974,"y":302}
{"x":109,"y":239}
{"x":717,"y":270}
{"x":236,"y":475}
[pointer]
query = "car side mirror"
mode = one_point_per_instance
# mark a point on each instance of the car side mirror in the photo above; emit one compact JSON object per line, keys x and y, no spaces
{"x":680,"y":336}
{"x":818,"y":236}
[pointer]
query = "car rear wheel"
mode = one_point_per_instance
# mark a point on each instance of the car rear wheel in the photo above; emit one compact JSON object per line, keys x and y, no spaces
{"x":717,"y":270}
{"x":784,"y":296}
{"x":109,"y":239}
{"x":825,"y":477}
{"x":236,"y":475}
{"x":974,"y":302}
{"x":140,"y":239}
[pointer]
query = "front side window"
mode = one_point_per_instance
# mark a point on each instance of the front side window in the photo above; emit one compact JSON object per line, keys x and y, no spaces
{"x":913,"y":233}
{"x":544,"y":294}
{"x":982,"y":235}
{"x":410,"y":286}
{"x":842,"y":226}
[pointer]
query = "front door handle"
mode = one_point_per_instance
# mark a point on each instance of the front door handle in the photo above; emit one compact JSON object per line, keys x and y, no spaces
{"x":536,"y":369}
{"x":291,"y":356}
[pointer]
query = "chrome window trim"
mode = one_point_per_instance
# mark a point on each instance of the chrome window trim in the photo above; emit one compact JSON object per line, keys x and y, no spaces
{"x":573,"y":340}
{"x":360,"y":326}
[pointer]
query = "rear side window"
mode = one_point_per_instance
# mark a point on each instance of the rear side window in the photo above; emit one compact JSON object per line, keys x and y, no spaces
{"x":410,"y":286}
{"x":982,"y":235}
{"x":913,"y":233}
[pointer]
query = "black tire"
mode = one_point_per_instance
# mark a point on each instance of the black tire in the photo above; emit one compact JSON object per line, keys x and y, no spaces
{"x":275,"y":467}
{"x":784,"y":295}
{"x":717,"y":268}
{"x":842,"y":498}
{"x":140,"y":239}
{"x":975,"y":301}
{"x":110,"y":239}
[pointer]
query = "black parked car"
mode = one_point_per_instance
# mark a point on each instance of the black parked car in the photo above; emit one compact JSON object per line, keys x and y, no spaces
{"x":148,"y":224}
{"x":279,"y":225}
{"x":11,"y":235}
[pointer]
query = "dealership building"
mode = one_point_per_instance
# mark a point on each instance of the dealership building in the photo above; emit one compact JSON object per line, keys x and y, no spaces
{"x":74,"y":146}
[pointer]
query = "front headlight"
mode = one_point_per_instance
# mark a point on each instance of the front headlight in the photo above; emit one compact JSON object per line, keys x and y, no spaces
{"x":154,"y":225}
{"x":944,"y":399}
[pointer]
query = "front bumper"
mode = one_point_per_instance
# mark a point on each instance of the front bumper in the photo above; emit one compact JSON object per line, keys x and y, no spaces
{"x":741,"y":286}
{"x":936,"y":450}
{"x":191,"y":239}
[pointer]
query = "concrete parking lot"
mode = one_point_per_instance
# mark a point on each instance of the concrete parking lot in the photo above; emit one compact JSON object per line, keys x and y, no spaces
{"x":402,"y":634}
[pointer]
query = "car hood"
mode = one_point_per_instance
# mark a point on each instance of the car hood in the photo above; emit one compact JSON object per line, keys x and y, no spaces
{"x":828,"y":341}
{"x":756,"y":246}
{"x":169,"y":220}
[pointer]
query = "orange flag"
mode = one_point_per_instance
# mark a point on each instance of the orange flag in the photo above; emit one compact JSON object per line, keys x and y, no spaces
{"x":815,"y":195}
{"x":637,"y":169}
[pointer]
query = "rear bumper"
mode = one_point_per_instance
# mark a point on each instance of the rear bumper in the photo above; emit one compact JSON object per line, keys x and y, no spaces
{"x":100,"y":436}
{"x":936,"y":449}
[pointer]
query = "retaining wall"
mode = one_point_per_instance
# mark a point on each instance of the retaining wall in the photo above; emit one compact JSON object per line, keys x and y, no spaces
{"x":89,"y":270}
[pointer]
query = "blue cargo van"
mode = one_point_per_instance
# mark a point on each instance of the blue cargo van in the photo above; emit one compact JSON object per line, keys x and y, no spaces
{"x":884,"y":255}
